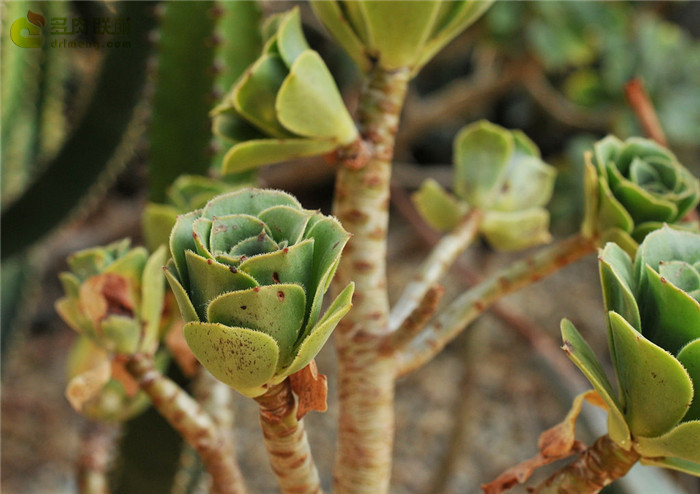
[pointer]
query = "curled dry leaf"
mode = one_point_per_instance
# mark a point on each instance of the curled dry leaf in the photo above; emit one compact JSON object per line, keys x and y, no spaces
{"x":105,"y":294}
{"x":85,"y":386}
{"x":311,"y":388}
{"x":554,"y":444}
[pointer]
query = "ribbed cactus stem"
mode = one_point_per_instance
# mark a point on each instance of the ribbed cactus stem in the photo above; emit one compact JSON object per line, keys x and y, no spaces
{"x":366,"y":384}
{"x":595,"y":468}
{"x":187,"y":417}
{"x":286,"y":442}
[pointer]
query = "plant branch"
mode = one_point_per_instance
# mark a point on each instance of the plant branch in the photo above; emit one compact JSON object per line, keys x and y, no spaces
{"x":366,"y":376}
{"x":96,"y":444}
{"x":595,"y":468}
{"x":639,"y":101}
{"x":416,"y":320}
{"x":435,"y":266}
{"x":475,"y":301}
{"x":187,"y":417}
{"x":286,"y":442}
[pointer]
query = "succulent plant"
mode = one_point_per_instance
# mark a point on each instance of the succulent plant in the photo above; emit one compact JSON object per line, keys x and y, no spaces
{"x":284,"y":106}
{"x":395,"y":35}
{"x":632,"y":188}
{"x":114,"y":300}
{"x":249,"y":272}
{"x":499,"y":172}
{"x":653,"y":307}
{"x":186,"y":193}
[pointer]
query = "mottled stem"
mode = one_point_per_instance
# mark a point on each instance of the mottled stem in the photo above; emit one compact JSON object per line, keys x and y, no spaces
{"x":435,"y":266}
{"x":96,"y":444}
{"x":286,"y":442}
{"x":187,"y":417}
{"x":366,"y":375}
{"x":595,"y":468}
{"x":476,"y":300}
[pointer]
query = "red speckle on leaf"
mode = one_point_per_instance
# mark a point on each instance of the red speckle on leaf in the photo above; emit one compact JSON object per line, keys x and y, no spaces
{"x":280,"y":295}
{"x":256,"y":289}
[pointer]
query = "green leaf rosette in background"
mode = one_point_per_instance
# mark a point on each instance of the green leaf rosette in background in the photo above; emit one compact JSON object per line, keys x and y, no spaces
{"x":284,"y":106}
{"x":249,"y":272}
{"x":187,"y":192}
{"x":396,"y":34}
{"x":653,"y":306}
{"x":632,"y":188}
{"x":501,"y":173}
{"x":114,"y":300}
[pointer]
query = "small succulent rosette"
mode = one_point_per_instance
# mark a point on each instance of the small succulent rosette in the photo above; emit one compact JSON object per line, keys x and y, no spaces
{"x":632,"y":188}
{"x":249,"y":272}
{"x":114,"y":300}
{"x":186,"y":193}
{"x":653,"y":307}
{"x":396,"y":34}
{"x":284,"y":106}
{"x":500,"y":172}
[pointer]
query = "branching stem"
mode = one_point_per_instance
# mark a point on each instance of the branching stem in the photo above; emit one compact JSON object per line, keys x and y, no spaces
{"x":187,"y":417}
{"x":286,"y":442}
{"x":475,"y":301}
{"x":595,"y":468}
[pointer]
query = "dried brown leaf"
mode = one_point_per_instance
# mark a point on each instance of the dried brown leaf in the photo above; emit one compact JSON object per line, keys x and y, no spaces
{"x":311,"y":388}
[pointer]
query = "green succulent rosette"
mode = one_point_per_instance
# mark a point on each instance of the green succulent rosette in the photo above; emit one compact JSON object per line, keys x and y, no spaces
{"x":286,"y":105}
{"x":501,"y":173}
{"x":249,"y":272}
{"x":396,"y":34}
{"x":114,"y":300}
{"x":186,"y":193}
{"x":653,"y":306}
{"x":632,"y":188}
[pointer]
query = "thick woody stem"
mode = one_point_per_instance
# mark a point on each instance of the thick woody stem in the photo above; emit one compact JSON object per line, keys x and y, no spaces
{"x":187,"y":417}
{"x":475,"y":301}
{"x":366,"y":376}
{"x":597,"y":467}
{"x":286,"y":442}
{"x":96,"y":444}
{"x":435,"y":266}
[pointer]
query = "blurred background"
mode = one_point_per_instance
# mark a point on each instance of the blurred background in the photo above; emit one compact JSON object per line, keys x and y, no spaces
{"x":112,"y":106}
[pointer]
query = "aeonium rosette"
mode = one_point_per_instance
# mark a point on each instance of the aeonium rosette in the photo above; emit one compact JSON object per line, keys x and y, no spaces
{"x":249,"y":272}
{"x":653,"y":306}
{"x":114,"y":298}
{"x":633,"y":188}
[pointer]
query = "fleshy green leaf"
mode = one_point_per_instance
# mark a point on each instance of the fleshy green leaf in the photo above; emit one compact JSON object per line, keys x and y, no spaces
{"x":277,"y":310}
{"x":187,"y":310}
{"x":239,"y":357}
{"x":290,"y":38}
{"x":583,"y":357}
{"x":289,"y":265}
{"x":248,"y":201}
{"x":121,"y":334}
{"x":657,"y":388}
{"x":481,"y":152}
{"x":617,"y":281}
{"x":181,"y":241}
{"x":440,"y":209}
{"x":227,"y":231}
{"x":516,"y":230}
{"x":152,"y":294}
{"x":309,"y":103}
{"x":286,"y":223}
{"x":209,"y":279}
{"x":312,"y":343}
{"x":689,"y":356}
{"x":329,"y":240}
{"x":591,"y":197}
{"x":682,"y":442}
{"x":157,"y":223}
{"x":70,"y":284}
{"x":611,"y":213}
{"x":254,"y":95}
{"x":530,"y":183}
{"x":253,"y":154}
{"x":673,"y":464}
{"x":330,"y":14}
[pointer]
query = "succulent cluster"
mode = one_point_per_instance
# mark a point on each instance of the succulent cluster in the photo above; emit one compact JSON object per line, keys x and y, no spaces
{"x":632,"y":188}
{"x":284,"y":106}
{"x":500,"y":172}
{"x":249,"y":272}
{"x":396,"y":35}
{"x":653,"y":308}
{"x":114,"y":300}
